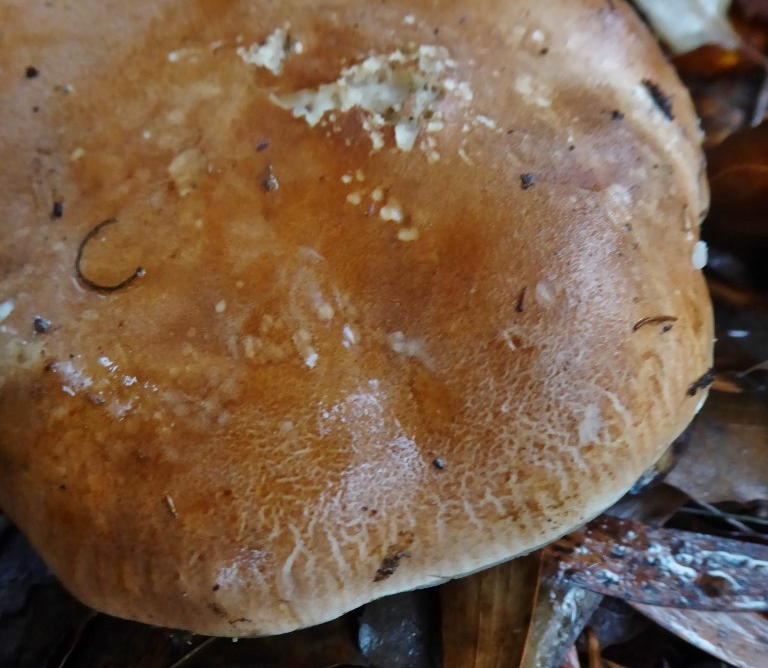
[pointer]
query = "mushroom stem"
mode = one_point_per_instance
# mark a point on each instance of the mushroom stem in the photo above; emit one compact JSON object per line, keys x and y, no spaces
{"x":486,"y":616}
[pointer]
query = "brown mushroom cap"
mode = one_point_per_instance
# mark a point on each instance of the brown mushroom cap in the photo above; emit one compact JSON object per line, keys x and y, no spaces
{"x":392,"y":329}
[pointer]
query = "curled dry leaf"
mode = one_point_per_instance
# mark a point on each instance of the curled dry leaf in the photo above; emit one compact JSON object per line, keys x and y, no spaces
{"x":667,"y":567}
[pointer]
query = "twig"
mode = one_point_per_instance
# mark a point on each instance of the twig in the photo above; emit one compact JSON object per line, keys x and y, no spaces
{"x":761,"y":101}
{"x":193,"y":652}
{"x":137,"y":273}
{"x":76,"y":639}
{"x":728,"y":518}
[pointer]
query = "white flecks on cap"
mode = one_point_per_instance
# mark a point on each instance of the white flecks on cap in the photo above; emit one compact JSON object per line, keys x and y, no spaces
{"x":105,"y":361}
{"x":392,"y":211}
{"x":401,"y":90}
{"x":354,"y":198}
{"x":349,"y":335}
{"x":74,"y":378}
{"x":407,"y":234}
{"x":487,"y":122}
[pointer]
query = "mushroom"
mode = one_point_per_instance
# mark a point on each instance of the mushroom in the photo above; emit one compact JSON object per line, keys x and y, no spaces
{"x":420,"y":291}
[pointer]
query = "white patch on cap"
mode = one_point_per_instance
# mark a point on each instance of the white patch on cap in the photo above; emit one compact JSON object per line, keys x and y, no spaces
{"x":75,"y":378}
{"x":186,"y":168}
{"x":409,"y":347}
{"x":544,"y":293}
{"x":590,"y":425}
{"x":311,"y":359}
{"x":700,"y":255}
{"x":106,"y":362}
{"x":6,"y":308}
{"x":531,"y":90}
{"x":349,"y":336}
{"x":355,"y":198}
{"x":487,"y":122}
{"x":398,"y":90}
{"x":272,"y":53}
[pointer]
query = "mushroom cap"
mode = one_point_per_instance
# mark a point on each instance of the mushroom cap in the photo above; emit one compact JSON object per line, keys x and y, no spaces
{"x":399,"y":320}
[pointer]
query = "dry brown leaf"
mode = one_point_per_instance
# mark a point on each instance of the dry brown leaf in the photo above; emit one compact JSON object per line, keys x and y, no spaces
{"x":727,"y":455}
{"x":562,"y":610}
{"x":754,"y":8}
{"x":738,"y":176}
{"x":401,"y":631}
{"x":486,"y":616}
{"x":738,"y":638}
{"x":571,"y":659}
{"x":633,"y":562}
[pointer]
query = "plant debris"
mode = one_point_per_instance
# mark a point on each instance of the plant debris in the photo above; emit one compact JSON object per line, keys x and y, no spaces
{"x":668,"y":567}
{"x":99,"y":287}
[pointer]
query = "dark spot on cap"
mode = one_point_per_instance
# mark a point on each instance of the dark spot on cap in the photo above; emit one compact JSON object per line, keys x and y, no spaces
{"x":662,"y":101}
{"x":262,"y":145}
{"x":389,"y":565}
{"x":617,"y":115}
{"x":217,"y":610}
{"x":58,"y":209}
{"x":31,"y":72}
{"x":527,"y":180}
{"x":41,"y":325}
{"x":438,"y":463}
